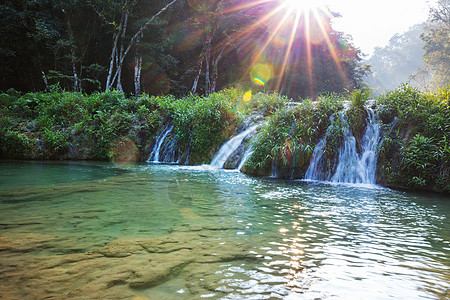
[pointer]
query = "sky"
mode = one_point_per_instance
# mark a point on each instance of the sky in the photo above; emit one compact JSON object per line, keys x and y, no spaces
{"x":373,"y":22}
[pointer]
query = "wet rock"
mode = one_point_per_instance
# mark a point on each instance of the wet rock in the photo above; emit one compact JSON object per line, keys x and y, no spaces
{"x":159,"y":271}
{"x":26,"y":242}
{"x":115,"y":270}
{"x":119,"y":248}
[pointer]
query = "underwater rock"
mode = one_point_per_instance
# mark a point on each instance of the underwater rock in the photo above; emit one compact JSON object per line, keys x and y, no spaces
{"x":119,"y":248}
{"x":158,"y":271}
{"x":115,"y":270}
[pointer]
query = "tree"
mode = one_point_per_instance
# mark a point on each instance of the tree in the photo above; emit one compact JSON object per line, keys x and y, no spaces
{"x":48,"y":42}
{"x":121,"y":45}
{"x":223,"y":27}
{"x":437,"y":44}
{"x":28,"y":29}
{"x":314,"y":57}
{"x":398,"y":62}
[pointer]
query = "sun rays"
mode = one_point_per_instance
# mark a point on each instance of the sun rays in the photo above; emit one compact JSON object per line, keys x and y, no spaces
{"x":288,"y":21}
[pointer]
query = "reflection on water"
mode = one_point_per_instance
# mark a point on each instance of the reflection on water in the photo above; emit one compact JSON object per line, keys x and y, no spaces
{"x":160,"y":232}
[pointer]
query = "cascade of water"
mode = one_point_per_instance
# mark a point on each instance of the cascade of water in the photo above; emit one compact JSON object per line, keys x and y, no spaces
{"x":188,"y":152}
{"x":246,"y":156}
{"x":229,"y":147}
{"x":274,"y":171}
{"x":154,"y":155}
{"x":352,"y":166}
{"x":317,"y":167}
{"x":169,"y":151}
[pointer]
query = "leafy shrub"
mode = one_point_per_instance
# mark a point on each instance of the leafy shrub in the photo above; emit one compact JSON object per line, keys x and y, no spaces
{"x":15,"y":145}
{"x":287,"y":141}
{"x":417,"y":130}
{"x":56,"y":143}
{"x":420,"y":159}
{"x":357,"y":114}
{"x":200,"y":122}
{"x":262,"y":103}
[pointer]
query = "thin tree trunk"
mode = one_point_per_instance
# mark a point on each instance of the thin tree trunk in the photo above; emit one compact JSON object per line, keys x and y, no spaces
{"x":121,"y":54}
{"x":72,"y":54}
{"x":75,"y":75}
{"x":137,"y":75}
{"x":215,"y":71}
{"x":194,"y":86}
{"x":137,"y":70}
{"x":207,"y":67}
{"x":80,"y":89}
{"x":44,"y":77}
{"x":113,"y":58}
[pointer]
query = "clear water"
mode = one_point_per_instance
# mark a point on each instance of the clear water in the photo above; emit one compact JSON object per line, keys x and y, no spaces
{"x":242,"y":237}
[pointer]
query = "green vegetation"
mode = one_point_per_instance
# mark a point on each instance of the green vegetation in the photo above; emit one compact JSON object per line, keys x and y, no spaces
{"x":415,"y":152}
{"x":66,"y":125}
{"x":69,"y":125}
{"x":287,"y":141}
{"x":357,"y":114}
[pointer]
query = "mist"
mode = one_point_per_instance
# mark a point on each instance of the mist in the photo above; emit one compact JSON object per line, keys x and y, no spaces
{"x":399,"y":62}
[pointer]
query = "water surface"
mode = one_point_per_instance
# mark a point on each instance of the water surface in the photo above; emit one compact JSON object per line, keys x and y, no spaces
{"x":93,"y":230}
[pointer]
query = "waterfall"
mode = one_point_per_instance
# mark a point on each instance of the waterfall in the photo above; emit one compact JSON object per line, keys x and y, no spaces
{"x":317,"y":169}
{"x":246,"y":156}
{"x":154,"y":155}
{"x":229,"y":147}
{"x":352,"y":166}
{"x":169,"y":151}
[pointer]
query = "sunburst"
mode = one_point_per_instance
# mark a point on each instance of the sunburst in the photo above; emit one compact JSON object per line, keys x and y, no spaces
{"x":289,"y":18}
{"x":302,"y":6}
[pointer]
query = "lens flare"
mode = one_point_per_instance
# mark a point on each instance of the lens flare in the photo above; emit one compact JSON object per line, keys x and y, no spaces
{"x":261,"y":73}
{"x":259,"y":81}
{"x":123,"y":152}
{"x":247,"y":96}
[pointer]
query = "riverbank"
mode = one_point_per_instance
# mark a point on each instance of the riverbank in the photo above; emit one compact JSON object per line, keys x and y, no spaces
{"x":413,"y":152}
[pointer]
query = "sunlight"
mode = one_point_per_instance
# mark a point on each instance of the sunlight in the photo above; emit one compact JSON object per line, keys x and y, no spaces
{"x":299,"y":27}
{"x":302,"y":6}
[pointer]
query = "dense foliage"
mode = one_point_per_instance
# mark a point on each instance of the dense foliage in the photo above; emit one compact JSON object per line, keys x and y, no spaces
{"x":437,"y":44}
{"x":287,"y":141}
{"x":415,"y":152}
{"x":68,"y":125}
{"x":177,"y":47}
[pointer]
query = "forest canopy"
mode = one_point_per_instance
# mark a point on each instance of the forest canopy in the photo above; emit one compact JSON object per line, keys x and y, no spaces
{"x":174,"y":47}
{"x":420,"y":56}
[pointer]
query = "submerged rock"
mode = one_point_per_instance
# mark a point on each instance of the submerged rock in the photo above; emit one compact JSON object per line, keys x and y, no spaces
{"x":118,"y":270}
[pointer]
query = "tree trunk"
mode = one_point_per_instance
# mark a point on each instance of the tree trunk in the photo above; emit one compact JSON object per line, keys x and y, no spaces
{"x":207,"y":67}
{"x":215,"y":71}
{"x":137,"y":75}
{"x":194,"y":86}
{"x":120,"y":57}
{"x":113,"y":58}
{"x":72,"y":57}
{"x":75,"y":75}
{"x":137,"y":70}
{"x":121,"y":53}
{"x":44,"y":77}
